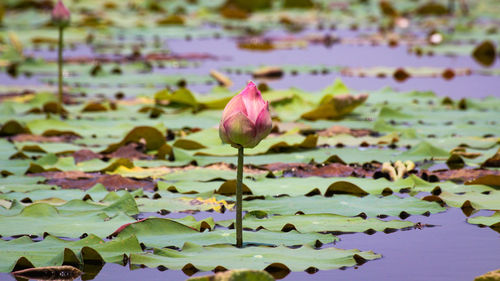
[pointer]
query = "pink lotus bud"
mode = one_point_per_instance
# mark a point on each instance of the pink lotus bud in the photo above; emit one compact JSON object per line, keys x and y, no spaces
{"x":246,"y":119}
{"x":60,"y":14}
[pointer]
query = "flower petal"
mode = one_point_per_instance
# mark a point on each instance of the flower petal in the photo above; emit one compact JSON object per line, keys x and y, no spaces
{"x":263,"y":124}
{"x":239,"y":130}
{"x":253,"y":101}
{"x":234,"y":105}
{"x":223,"y":134}
{"x":60,"y":14}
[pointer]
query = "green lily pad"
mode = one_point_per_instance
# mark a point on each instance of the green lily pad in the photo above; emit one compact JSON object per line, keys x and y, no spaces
{"x":489,"y":221}
{"x":346,"y":205}
{"x":319,"y":223}
{"x":195,"y":257}
{"x":477,"y":200}
{"x":24,"y":253}
{"x":160,"y":233}
{"x":39,"y":218}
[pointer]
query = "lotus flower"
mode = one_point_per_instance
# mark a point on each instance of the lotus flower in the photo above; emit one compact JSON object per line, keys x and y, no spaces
{"x":246,"y":119}
{"x":60,"y":14}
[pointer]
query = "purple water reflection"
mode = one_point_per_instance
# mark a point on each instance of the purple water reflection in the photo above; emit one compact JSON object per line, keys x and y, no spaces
{"x":77,"y":51}
{"x":343,"y":55}
{"x":338,"y":55}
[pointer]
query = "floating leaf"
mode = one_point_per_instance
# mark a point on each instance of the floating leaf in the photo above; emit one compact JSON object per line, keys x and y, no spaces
{"x":320,"y":223}
{"x":278,"y":261}
{"x":476,"y":200}
{"x":161,"y":233}
{"x":489,"y":221}
{"x":40,"y":218}
{"x":154,"y":139}
{"x":345,"y":205}
{"x":52,"y":251}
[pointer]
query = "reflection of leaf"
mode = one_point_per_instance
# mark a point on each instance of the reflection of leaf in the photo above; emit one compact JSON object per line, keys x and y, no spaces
{"x":294,"y":4}
{"x":236,"y":275}
{"x":485,"y":53}
{"x":431,"y":8}
{"x":250,"y":6}
{"x":387,"y":9}
{"x":12,"y":127}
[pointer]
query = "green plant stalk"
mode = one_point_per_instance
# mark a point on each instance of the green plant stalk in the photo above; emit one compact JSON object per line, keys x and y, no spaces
{"x":239,"y":200}
{"x":60,"y":70}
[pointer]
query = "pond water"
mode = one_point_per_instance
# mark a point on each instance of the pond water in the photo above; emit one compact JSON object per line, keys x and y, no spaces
{"x":228,"y":54}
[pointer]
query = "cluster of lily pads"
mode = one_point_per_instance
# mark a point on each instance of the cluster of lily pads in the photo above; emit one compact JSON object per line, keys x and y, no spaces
{"x":121,"y":177}
{"x":135,"y":172}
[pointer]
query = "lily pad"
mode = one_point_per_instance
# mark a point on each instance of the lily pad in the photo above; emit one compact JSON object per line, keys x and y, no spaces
{"x":24,"y":253}
{"x":280,"y":259}
{"x":319,"y":223}
{"x":160,"y":233}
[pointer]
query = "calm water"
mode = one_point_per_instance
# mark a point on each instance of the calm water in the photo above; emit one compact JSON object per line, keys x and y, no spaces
{"x":337,"y":55}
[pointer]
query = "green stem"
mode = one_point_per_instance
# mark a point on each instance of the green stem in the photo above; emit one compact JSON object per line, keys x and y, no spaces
{"x":239,"y":200}
{"x":60,"y":70}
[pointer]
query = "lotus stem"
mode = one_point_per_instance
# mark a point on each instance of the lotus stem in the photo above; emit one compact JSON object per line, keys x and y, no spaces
{"x":239,"y":199}
{"x":60,"y":71}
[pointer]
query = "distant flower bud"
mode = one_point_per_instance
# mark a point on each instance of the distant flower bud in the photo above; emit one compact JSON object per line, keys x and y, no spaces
{"x":60,"y":14}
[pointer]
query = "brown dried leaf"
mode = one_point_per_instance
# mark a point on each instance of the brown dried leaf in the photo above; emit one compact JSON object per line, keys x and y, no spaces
{"x":85,"y":155}
{"x":130,"y":151}
{"x":221,"y":78}
{"x":493,"y":161}
{"x":64,"y":272}
{"x":268,"y":72}
{"x":111,"y":182}
{"x":462,"y":175}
